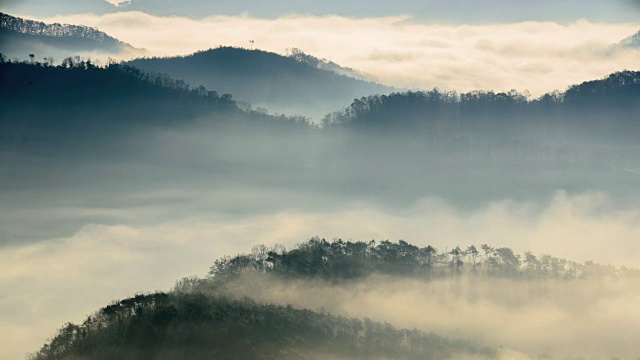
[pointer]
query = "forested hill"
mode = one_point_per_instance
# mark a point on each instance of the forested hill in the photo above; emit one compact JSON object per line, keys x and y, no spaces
{"x":345,"y":260}
{"x":606,"y":107}
{"x":195,"y":326}
{"x":31,"y":27}
{"x":79,"y":102}
{"x":223,"y":318}
{"x":20,"y":37}
{"x":296,"y":84}
{"x":78,"y":93}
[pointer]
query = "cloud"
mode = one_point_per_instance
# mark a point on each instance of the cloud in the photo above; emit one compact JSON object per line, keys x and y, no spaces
{"x":398,"y":50}
{"x":591,"y":318}
{"x":48,"y":283}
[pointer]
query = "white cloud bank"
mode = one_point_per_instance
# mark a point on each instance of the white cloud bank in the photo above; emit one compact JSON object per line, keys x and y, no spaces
{"x":596,"y":319}
{"x":537,"y":56}
{"x":46,"y":284}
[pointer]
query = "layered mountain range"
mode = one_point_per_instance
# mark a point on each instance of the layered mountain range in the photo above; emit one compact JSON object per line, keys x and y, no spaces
{"x":20,"y":37}
{"x":204,"y":136}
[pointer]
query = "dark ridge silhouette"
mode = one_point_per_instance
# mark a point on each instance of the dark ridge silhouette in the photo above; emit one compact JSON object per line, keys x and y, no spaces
{"x":296,"y":84}
{"x":56,"y":30}
{"x":196,"y":326}
{"x":78,"y":102}
{"x":602,"y":108}
{"x":423,"y":135}
{"x":340,"y":260}
{"x":20,"y":37}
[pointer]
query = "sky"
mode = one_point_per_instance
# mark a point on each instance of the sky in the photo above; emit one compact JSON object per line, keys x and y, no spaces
{"x":448,"y":11}
{"x":453,"y":45}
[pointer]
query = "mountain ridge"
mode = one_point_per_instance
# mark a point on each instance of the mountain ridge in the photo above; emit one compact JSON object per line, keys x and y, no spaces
{"x":196,"y":326}
{"x":632,"y":41}
{"x":225,"y":317}
{"x":33,"y":27}
{"x":23,"y":36}
{"x":299,"y":84}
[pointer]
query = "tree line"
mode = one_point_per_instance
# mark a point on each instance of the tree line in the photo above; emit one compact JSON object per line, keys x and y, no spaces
{"x":117,"y":78}
{"x":77,"y":64}
{"x":343,"y":260}
{"x":79,"y":100}
{"x":197,"y":321}
{"x":196,"y":326}
{"x":608,"y":105}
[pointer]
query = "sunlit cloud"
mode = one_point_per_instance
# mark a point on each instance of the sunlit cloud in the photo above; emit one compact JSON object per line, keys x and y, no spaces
{"x":556,"y":317}
{"x":397,"y":50}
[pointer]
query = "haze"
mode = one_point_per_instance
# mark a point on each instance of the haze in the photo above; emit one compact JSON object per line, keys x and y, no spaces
{"x":85,"y":220}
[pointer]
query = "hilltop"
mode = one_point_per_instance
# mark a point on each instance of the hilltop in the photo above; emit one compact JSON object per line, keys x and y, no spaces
{"x":227,"y":316}
{"x":195,"y":326}
{"x":296,"y":84}
{"x":20,"y":37}
{"x":80,"y":103}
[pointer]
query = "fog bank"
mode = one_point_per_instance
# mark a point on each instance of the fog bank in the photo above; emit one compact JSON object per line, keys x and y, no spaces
{"x":591,"y":318}
{"x":399,"y":50}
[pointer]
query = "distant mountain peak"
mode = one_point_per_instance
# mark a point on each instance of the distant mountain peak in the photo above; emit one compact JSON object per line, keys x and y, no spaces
{"x":632,"y":41}
{"x":37,"y":28}
{"x":295,"y":84}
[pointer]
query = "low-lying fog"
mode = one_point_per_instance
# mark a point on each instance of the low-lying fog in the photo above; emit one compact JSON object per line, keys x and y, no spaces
{"x":595,"y":318}
{"x":80,"y":229}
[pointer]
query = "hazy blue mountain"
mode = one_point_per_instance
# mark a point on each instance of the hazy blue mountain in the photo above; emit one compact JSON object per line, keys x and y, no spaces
{"x":78,"y":101}
{"x":632,"y":41}
{"x":599,"y":109}
{"x":20,"y":37}
{"x":197,"y":138}
{"x":295,"y":84}
{"x":97,"y":120}
{"x":81,"y":105}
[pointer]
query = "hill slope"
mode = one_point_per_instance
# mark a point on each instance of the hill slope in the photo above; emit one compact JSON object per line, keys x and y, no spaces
{"x":195,"y":326}
{"x":279,"y":83}
{"x":20,"y":37}
{"x":603,"y":109}
{"x":632,"y":41}
{"x":78,"y":103}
